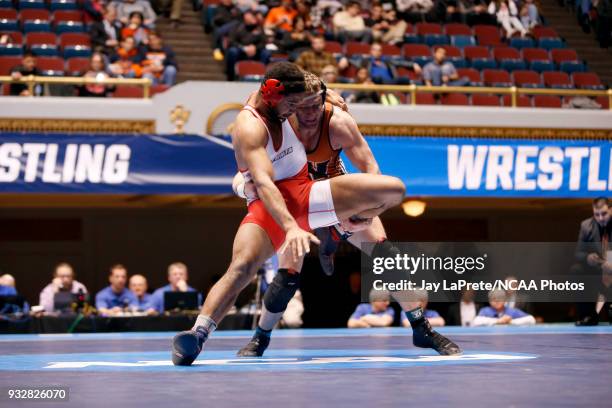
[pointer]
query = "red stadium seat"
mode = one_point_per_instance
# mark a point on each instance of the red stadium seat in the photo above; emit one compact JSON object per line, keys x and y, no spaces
{"x":535,"y":54}
{"x":457,"y":29}
{"x":407,"y":73}
{"x":333,"y":47}
{"x":68,"y":39}
{"x":529,"y":79}
{"x":522,"y":101}
{"x":496,"y":77}
{"x":563,"y":54}
{"x":249,"y":69}
{"x":8,"y":13}
{"x":586,"y":80}
{"x":603,"y":101}
{"x":546,"y":101}
{"x":485,"y":100}
{"x":475,"y":52}
{"x":357,"y":48}
{"x":428,"y":28}
{"x":6,"y":63}
{"x":455,"y":99}
{"x":416,"y":50}
{"x":34,"y":14}
{"x":77,"y":66}
{"x":425,"y":98}
{"x":391,"y":50}
{"x":40,"y":38}
{"x":506,"y":53}
{"x":127,"y":91}
{"x":451,"y":51}
{"x":544,"y":32}
{"x":487,"y":35}
{"x":16,"y":37}
{"x":471,"y":73}
{"x":67,"y":15}
{"x":50,"y":64}
{"x":349,"y":72}
{"x":556,"y":79}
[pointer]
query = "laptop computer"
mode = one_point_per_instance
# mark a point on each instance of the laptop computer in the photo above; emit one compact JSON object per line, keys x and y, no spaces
{"x":180,"y":301}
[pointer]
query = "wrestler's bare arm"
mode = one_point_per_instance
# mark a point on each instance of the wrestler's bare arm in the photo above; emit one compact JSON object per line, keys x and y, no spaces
{"x":344,"y":133}
{"x":249,"y":140}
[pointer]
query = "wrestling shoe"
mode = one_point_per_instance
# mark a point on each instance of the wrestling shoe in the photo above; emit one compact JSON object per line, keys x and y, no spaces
{"x":423,"y":336}
{"x":255,"y":347}
{"x":330,"y":238}
{"x":187,"y":345}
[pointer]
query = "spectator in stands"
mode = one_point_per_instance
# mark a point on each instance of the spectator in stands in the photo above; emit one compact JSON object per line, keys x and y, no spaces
{"x":172,"y":9}
{"x":477,"y":12}
{"x":350,"y":26}
{"x":304,"y":12}
{"x":106,"y":34}
{"x":297,"y":39}
{"x":177,"y":278}
{"x":247,"y":42}
{"x":464,"y":312}
{"x":507,"y":15}
{"x":123,"y":61}
{"x":136,"y":29}
{"x":97,"y":70}
{"x":449,"y":11}
{"x":498,"y":314}
{"x":63,"y":281}
{"x":138,"y":286}
{"x":415,"y":10}
{"x":280,"y":19}
{"x":316,"y":58}
{"x":158,"y":61}
{"x":115,"y":298}
{"x":434,"y":317}
{"x":530,"y":15}
{"x":227,"y":17}
{"x":440,"y":72}
{"x":362,"y":77}
{"x":27,"y":67}
{"x":592,"y":258}
{"x":388,"y":29}
{"x":252,"y":5}
{"x":383,"y":71}
{"x":377,"y":313}
{"x":329,"y":74}
{"x":125,"y":8}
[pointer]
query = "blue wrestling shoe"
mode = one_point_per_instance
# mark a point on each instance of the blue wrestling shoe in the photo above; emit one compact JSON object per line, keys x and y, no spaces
{"x":187,"y":345}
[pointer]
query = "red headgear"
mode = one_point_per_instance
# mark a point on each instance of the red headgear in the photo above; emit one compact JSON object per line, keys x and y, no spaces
{"x":271,"y":92}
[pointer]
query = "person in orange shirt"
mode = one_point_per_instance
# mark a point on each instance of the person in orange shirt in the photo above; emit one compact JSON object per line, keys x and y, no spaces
{"x":280,"y":18}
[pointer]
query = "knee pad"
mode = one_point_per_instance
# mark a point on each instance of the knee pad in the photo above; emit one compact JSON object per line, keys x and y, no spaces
{"x":281,"y":290}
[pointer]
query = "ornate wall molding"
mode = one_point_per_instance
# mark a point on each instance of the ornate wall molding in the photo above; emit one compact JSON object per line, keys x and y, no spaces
{"x":77,"y":125}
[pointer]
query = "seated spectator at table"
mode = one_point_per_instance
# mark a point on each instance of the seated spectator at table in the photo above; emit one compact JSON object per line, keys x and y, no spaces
{"x":296,"y":39}
{"x":280,"y":18}
{"x":227,"y":17}
{"x":106,"y":33}
{"x":138,"y":286}
{"x":7,"y":280}
{"x":464,"y":312}
{"x":123,"y":60}
{"x":136,"y":29}
{"x":432,"y":316}
{"x":177,"y":278}
{"x":246,"y":42}
{"x":350,"y":26}
{"x":63,"y":281}
{"x":314,"y":59}
{"x":377,"y":313}
{"x":97,"y":70}
{"x":115,"y":298}
{"x":125,"y":8}
{"x":383,"y":71}
{"x":27,"y":67}
{"x":529,"y":14}
{"x":414,"y":10}
{"x":507,"y":15}
{"x":7,"y":288}
{"x":440,"y":72}
{"x":158,"y":61}
{"x":497,"y":313}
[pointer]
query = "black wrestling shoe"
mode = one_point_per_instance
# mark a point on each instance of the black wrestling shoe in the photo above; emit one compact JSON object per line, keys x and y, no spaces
{"x":255,"y":347}
{"x":187,"y":345}
{"x":424,"y":336}
{"x":327,"y":248}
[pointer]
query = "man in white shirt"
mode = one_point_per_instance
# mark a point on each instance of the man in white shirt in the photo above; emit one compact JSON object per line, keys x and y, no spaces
{"x":63,"y":281}
{"x":350,"y":26}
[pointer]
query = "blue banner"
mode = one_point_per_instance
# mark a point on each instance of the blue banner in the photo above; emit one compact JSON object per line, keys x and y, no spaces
{"x":465,"y":167}
{"x":106,"y":164}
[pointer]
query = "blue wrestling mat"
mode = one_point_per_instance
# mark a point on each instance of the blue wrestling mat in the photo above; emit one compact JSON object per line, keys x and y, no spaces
{"x":547,"y":365}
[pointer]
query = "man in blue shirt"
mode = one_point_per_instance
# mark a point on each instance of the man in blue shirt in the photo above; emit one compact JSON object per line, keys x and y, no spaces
{"x":177,"y":276}
{"x":434,"y":317}
{"x":138,"y":286}
{"x":115,"y":298}
{"x":383,"y":71}
{"x":377,"y":313}
{"x":499,"y":313}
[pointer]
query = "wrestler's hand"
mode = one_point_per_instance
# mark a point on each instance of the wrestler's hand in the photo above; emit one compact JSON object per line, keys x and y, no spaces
{"x":297,"y":242}
{"x":335,"y":99}
{"x":355,"y":224}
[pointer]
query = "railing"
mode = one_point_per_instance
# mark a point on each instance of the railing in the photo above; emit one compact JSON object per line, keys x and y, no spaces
{"x":32,"y":80}
{"x":513,"y":91}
